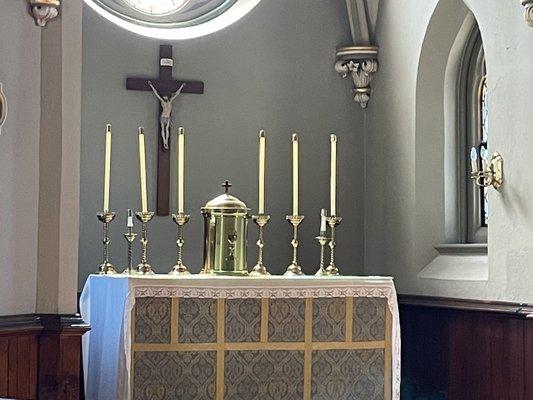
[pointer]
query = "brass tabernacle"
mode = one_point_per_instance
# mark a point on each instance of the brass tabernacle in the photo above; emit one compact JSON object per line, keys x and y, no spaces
{"x":106,"y":268}
{"x":259,"y":269}
{"x":144,"y":268}
{"x":179,"y":268}
{"x":333,"y":222}
{"x":225,"y":232}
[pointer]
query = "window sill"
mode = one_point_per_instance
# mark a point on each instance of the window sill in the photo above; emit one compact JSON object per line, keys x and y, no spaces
{"x":458,"y":262}
{"x":462,"y":248}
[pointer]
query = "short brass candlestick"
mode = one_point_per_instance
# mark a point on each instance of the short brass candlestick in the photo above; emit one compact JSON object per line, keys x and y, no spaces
{"x":144,"y":268}
{"x":322,"y":240}
{"x":180,"y":269}
{"x":294,"y":269}
{"x":106,"y":268}
{"x":333,"y":222}
{"x":130,"y":237}
{"x":260,"y":220}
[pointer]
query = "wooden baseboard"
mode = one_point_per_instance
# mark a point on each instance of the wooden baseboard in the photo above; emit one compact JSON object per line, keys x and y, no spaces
{"x":40,"y":356}
{"x":456,"y":349}
{"x":448,"y":303}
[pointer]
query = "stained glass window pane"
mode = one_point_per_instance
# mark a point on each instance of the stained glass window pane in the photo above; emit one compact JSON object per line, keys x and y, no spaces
{"x":484,"y":135}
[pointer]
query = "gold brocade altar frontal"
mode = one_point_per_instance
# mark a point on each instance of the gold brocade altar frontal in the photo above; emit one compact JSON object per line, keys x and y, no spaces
{"x":336,"y":348}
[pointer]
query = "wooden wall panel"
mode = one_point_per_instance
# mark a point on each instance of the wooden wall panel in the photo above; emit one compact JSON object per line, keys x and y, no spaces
{"x":464,"y":350}
{"x":40,"y":357}
{"x":18,"y":365}
{"x":528,"y":359}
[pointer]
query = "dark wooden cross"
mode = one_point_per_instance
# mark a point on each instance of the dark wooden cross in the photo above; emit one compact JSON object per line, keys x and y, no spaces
{"x":166,"y":86}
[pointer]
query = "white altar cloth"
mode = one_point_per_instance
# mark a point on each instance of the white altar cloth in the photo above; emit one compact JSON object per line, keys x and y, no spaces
{"x":107,"y":301}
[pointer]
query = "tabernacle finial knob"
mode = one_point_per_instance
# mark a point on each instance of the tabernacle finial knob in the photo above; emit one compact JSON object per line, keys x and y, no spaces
{"x":226,"y":185}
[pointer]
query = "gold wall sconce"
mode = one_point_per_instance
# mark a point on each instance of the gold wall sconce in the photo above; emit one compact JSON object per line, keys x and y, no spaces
{"x":491,"y":173}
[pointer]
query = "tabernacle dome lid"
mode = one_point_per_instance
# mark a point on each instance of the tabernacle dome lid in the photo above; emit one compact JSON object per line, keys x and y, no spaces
{"x":226,"y":202}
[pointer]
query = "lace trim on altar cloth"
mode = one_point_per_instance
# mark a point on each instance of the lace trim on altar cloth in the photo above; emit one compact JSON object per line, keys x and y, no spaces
{"x":379,"y":290}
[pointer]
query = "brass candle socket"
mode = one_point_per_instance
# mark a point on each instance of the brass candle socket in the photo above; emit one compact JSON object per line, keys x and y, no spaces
{"x":144,"y":268}
{"x":259,"y":269}
{"x":180,"y":269}
{"x":130,"y":237}
{"x":322,"y":240}
{"x":106,"y":268}
{"x":491,"y":175}
{"x":333,"y":222}
{"x":294,"y":269}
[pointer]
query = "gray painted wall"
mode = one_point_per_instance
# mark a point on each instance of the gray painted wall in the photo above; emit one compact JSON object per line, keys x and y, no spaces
{"x":20,"y":49}
{"x":272,"y":70}
{"x":404,"y":187}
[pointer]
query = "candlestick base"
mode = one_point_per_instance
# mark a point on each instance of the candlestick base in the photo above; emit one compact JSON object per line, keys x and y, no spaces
{"x":107,"y":269}
{"x":144,"y":269}
{"x":332,"y":270}
{"x":179,"y":269}
{"x":259,"y":270}
{"x":294,"y":269}
{"x":129,"y":271}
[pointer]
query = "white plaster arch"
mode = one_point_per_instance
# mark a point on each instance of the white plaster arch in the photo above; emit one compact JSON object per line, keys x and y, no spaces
{"x":436,"y":172}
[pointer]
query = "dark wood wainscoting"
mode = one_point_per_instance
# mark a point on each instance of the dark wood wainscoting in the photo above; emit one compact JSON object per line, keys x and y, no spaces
{"x":465,"y":350}
{"x":40,"y":356}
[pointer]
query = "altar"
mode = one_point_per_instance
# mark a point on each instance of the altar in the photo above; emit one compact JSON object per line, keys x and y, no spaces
{"x":221,"y":338}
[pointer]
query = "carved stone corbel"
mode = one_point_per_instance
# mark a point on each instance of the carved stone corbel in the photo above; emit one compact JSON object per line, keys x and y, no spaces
{"x":44,"y":10}
{"x":528,"y":12}
{"x":361,"y":62}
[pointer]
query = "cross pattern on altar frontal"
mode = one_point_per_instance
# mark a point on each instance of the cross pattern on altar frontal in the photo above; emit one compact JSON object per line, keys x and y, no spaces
{"x":257,"y":348}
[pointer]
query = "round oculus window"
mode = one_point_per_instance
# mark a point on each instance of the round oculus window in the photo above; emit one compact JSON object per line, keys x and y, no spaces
{"x":156,"y":7}
{"x":173,"y":19}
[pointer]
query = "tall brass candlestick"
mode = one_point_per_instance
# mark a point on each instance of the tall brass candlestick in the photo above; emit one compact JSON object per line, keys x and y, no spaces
{"x":180,"y":219}
{"x":144,"y":268}
{"x":106,"y":268}
{"x":294,"y":269}
{"x":333,"y":222}
{"x":259,"y":269}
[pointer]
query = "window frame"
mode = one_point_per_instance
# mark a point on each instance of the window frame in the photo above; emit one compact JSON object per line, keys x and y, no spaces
{"x":472,"y":75}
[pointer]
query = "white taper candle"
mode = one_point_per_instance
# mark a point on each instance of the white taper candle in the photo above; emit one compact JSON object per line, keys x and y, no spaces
{"x":107,"y":167}
{"x":181,"y":169}
{"x":142,"y":170}
{"x":262,"y":145}
{"x":294,"y":174}
{"x":333,"y":176}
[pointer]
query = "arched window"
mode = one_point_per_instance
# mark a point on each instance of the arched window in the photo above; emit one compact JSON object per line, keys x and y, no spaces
{"x":473,"y":102}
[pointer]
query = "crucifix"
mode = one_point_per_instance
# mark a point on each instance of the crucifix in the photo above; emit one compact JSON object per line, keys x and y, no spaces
{"x":166,"y":89}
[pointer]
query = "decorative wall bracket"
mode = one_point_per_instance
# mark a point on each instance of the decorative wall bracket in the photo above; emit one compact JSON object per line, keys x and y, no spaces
{"x":44,"y":10}
{"x":361,"y":62}
{"x":528,"y":12}
{"x":3,"y":107}
{"x":361,"y":59}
